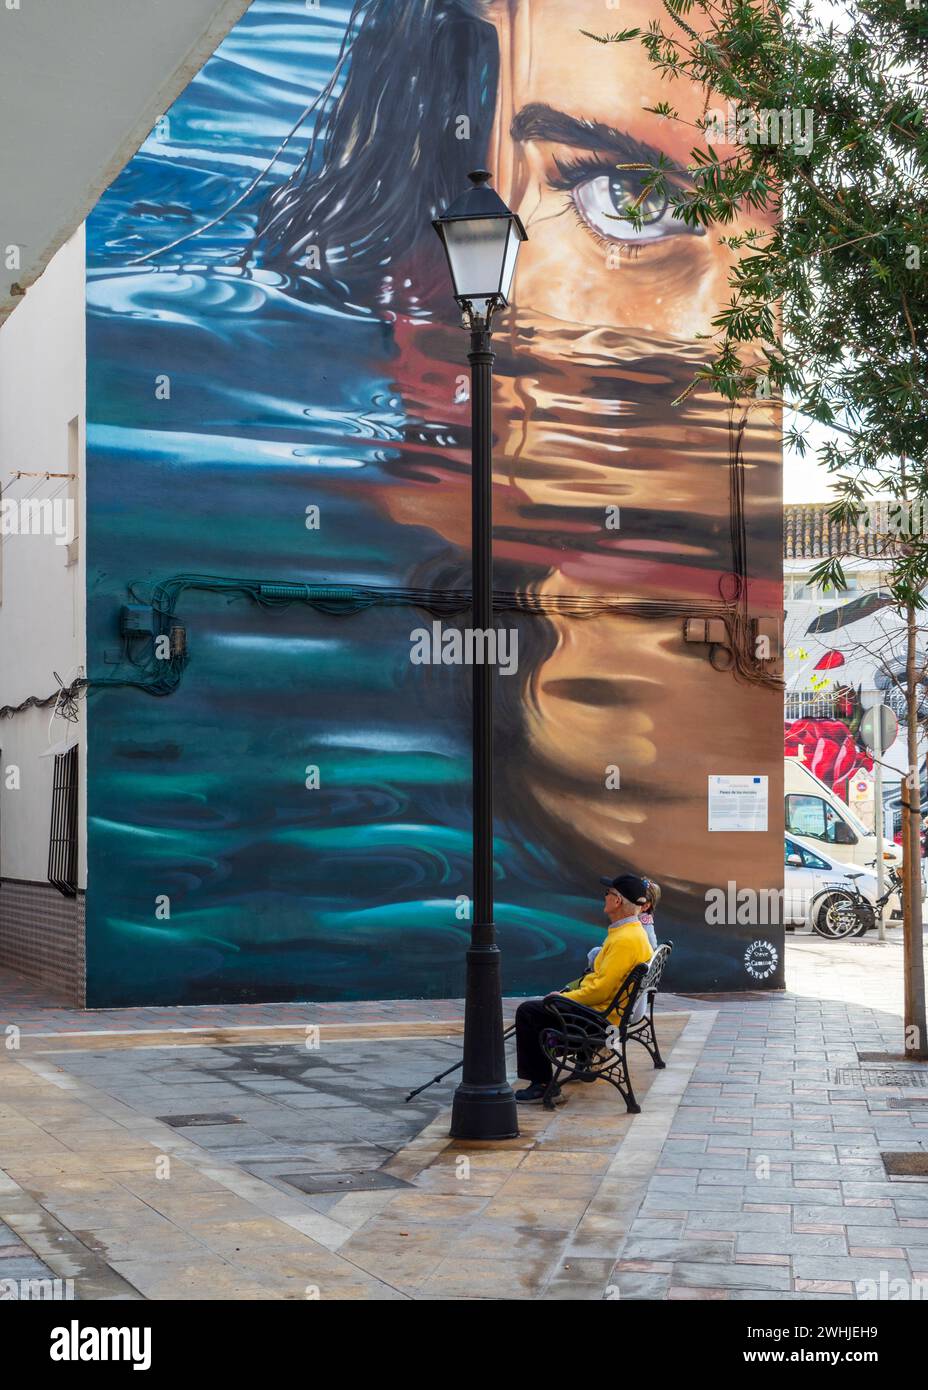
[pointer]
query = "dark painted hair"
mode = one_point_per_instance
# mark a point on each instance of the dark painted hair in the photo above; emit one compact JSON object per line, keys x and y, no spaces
{"x":385,"y":156}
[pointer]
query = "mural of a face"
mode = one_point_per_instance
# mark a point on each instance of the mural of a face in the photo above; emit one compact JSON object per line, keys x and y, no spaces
{"x":568,"y":111}
{"x":347,"y":389}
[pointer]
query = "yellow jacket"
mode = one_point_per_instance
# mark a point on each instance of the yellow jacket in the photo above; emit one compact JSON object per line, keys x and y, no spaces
{"x":626,"y":945}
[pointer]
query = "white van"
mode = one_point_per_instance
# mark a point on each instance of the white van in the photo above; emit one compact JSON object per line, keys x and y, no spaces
{"x":813,"y":812}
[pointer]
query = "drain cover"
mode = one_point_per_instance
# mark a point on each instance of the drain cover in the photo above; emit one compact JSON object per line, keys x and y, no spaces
{"x":358,"y":1180}
{"x":906,"y":1165}
{"x":907,"y":1102}
{"x":880,"y":1076}
{"x":188,"y":1121}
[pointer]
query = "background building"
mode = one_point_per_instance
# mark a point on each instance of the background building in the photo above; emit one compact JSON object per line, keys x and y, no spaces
{"x":43,"y":605}
{"x":844,"y":652}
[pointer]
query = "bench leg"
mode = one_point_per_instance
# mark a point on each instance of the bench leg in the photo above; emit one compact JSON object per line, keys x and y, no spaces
{"x":631,"y":1104}
{"x":656,"y":1054}
{"x":647,"y":1036}
{"x":619,"y":1078}
{"x":547,"y":1099}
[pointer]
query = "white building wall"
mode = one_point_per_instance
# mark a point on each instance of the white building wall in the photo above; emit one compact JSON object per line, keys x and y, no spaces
{"x":42,"y":582}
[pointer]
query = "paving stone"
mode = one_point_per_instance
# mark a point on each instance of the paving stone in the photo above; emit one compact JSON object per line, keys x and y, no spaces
{"x":627,"y":1285}
{"x":838,"y":1215}
{"x":890,"y":1190}
{"x":715,"y":1200}
{"x":670,"y":1185}
{"x":695,"y":1249}
{"x":585,"y":1280}
{"x":848,"y":1267}
{"x":702,"y":1161}
{"x":779,"y":1194}
{"x":820,"y":1289}
{"x":654,"y":1228}
{"x":731,"y":1276}
{"x":909,"y":1236}
{"x":25,"y":1268}
{"x":738,"y":1221}
{"x":911,"y":1206}
{"x":766,"y":1242}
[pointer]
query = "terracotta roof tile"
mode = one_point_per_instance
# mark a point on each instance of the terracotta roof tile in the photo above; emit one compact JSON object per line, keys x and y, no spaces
{"x":810,"y":534}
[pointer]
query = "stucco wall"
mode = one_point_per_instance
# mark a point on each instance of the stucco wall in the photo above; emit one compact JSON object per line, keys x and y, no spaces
{"x":43,"y":594}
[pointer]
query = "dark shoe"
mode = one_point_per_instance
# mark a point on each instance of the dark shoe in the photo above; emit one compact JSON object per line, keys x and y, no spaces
{"x":535,"y":1094}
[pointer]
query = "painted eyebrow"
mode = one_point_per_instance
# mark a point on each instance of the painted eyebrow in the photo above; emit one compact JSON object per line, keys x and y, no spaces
{"x":540,"y":122}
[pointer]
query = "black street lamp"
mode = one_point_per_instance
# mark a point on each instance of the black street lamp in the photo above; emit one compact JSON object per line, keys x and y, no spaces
{"x":481,"y":238}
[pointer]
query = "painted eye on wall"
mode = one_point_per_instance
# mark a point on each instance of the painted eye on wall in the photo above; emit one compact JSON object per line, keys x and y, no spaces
{"x":600,"y":195}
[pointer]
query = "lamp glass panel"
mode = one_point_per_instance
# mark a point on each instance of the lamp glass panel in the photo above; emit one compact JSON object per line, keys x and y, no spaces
{"x":509,"y":264}
{"x":476,"y":251}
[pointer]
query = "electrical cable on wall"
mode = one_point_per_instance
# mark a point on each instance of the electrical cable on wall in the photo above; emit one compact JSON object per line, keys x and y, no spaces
{"x":161,"y":675}
{"x":66,"y":697}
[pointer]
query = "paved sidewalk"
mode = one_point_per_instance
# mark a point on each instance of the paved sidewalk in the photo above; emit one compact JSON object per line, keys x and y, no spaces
{"x":230,"y":1210}
{"x":865,"y":971}
{"x":229,"y":1154}
{"x":771,"y":1182}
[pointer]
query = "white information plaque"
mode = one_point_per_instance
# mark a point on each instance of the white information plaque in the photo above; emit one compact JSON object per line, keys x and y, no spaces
{"x":737,"y":803}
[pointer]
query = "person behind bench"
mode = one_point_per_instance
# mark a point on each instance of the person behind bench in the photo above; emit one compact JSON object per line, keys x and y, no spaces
{"x":626,"y":945}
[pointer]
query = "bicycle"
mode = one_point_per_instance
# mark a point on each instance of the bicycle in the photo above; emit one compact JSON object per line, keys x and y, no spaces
{"x":834,"y":913}
{"x":839,"y":913}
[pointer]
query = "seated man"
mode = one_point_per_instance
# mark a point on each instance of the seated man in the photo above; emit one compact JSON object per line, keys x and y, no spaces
{"x":626,"y":945}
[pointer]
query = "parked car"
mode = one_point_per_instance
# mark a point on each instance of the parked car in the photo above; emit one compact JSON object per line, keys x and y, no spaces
{"x":812,"y":878}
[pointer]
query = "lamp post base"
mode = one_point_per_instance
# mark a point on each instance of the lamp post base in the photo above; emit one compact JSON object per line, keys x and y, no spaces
{"x":484,"y":1112}
{"x":484,"y":1106}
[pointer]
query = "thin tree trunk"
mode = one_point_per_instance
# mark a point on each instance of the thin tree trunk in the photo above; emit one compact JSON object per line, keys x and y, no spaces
{"x":916,"y":1037}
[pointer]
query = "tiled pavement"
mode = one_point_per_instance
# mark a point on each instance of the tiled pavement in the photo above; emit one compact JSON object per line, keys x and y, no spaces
{"x":20,"y":1269}
{"x":754,"y":1170}
{"x":771,"y":1182}
{"x":279,"y":1110}
{"x":207,"y":1211}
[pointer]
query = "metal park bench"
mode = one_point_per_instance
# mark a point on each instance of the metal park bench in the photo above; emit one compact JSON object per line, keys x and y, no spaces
{"x":584,"y":1044}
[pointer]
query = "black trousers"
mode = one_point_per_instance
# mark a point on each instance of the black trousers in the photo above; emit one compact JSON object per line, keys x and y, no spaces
{"x":531,"y":1018}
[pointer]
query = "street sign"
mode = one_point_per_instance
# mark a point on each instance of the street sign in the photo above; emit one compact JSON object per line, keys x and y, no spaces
{"x":860,"y":796}
{"x":887,"y":732}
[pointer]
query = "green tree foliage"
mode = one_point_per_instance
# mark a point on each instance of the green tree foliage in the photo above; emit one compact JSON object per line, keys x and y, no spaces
{"x":827,"y":309}
{"x":828,"y":294}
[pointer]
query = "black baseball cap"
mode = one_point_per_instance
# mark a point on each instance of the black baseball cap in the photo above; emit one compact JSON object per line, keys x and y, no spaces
{"x":632,"y":887}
